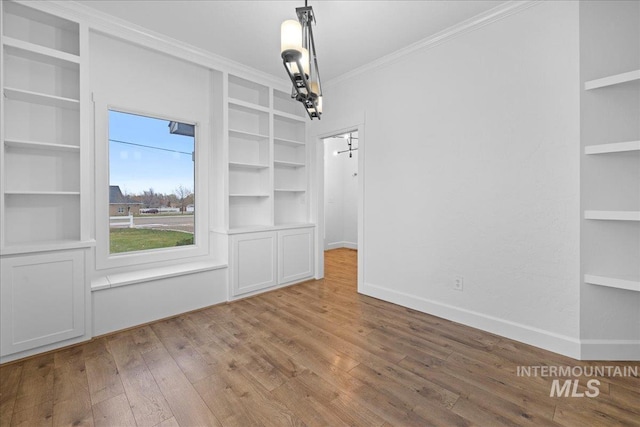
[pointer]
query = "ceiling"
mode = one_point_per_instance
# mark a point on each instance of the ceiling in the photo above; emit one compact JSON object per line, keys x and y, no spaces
{"x":348,"y":34}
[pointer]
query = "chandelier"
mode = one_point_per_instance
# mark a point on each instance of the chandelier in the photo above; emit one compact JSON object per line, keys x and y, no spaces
{"x":298,"y":51}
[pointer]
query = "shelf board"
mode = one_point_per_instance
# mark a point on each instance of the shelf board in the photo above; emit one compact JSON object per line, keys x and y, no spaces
{"x":238,"y":165}
{"x":39,"y":53}
{"x":28,"y":13}
{"x":249,"y":105}
{"x":613,"y":215}
{"x":615,"y":147}
{"x":289,"y":190}
{"x":57,"y":245}
{"x":288,"y":164}
{"x":613,"y":282}
{"x":41,"y":193}
{"x":612,"y":80}
{"x":19,"y":143}
{"x":41,"y":98}
{"x":288,"y":142}
{"x":289,"y":116}
{"x":248,"y":195}
{"x":247,"y":135}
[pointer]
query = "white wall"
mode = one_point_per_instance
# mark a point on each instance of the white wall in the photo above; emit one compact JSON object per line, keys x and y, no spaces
{"x":472,"y":169}
{"x":341,"y":195}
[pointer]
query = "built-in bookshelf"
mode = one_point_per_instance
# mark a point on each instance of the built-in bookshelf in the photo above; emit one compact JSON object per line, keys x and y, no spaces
{"x":267,"y":162}
{"x":41,"y":143}
{"x":612,"y":178}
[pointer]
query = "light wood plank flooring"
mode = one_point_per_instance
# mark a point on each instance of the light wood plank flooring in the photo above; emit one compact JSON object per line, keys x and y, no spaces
{"x":313,"y":354}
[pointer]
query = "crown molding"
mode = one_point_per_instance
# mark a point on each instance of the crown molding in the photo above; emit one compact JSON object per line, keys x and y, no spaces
{"x":121,"y":29}
{"x":492,"y":15}
{"x":118,"y":28}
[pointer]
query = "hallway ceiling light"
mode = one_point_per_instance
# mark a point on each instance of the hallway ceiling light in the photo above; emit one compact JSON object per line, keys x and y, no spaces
{"x":350,"y":138}
{"x":298,"y":52}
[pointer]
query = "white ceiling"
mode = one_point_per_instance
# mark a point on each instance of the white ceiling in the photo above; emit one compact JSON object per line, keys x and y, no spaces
{"x":348,"y":34}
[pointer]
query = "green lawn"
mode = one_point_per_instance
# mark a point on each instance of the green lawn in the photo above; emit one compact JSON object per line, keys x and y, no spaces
{"x":137,"y":239}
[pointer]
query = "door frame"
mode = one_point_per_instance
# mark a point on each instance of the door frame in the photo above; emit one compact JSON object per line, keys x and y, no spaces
{"x":319,"y":208}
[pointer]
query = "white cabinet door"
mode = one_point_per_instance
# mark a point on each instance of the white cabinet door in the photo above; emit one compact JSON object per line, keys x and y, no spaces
{"x":253,"y":262}
{"x":42,"y":300}
{"x":295,"y":255}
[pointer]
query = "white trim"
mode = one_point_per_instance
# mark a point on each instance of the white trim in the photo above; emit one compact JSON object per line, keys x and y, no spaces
{"x":619,"y":350}
{"x":338,"y":245}
{"x":103,"y":258}
{"x":319,"y":190}
{"x":499,"y":12}
{"x":547,"y":340}
{"x":148,"y":275}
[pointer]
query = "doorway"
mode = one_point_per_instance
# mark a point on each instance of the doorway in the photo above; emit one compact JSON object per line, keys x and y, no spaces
{"x":341,"y":202}
{"x":341,"y":191}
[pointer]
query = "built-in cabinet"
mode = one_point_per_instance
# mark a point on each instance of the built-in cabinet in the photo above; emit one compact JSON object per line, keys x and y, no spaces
{"x":266,"y":259}
{"x":295,"y":255}
{"x":42,"y":300}
{"x":270,"y":238}
{"x":43,"y":292}
{"x":259,"y":191}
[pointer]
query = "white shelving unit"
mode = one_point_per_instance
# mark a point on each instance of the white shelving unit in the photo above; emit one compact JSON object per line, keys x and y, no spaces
{"x":249,"y":153}
{"x":628,"y":219}
{"x":267,"y":157}
{"x":268,"y":234}
{"x":42,"y":239}
{"x":290,"y":159}
{"x":41,"y":144}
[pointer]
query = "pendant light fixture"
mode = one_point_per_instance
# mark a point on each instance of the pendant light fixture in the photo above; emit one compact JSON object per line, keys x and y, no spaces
{"x":350,"y":138}
{"x":298,"y":51}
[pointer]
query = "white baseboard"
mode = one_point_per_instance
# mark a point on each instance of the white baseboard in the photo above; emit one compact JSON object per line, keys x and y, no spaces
{"x":336,"y":245}
{"x":547,"y":340}
{"x":619,"y":350}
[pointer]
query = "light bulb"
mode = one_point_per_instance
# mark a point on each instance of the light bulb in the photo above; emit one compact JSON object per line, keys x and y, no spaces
{"x":290,"y":36}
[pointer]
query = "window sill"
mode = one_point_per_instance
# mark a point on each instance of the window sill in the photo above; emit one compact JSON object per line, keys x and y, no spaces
{"x":133,"y":277}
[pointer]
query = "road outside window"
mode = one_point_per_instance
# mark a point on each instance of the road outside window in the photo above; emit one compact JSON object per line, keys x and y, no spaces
{"x":151,"y":183}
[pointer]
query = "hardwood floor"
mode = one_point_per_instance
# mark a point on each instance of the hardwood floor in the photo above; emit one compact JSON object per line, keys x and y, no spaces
{"x":311,"y":354}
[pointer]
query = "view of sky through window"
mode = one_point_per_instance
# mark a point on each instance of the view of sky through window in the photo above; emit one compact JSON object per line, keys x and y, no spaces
{"x":144,"y":155}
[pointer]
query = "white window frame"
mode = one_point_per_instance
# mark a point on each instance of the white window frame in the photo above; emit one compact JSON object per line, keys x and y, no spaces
{"x":104,"y":258}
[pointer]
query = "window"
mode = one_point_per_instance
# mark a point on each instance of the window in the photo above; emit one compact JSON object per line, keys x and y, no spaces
{"x":152,"y":178}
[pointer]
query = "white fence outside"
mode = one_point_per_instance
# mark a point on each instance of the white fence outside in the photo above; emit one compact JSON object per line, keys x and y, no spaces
{"x":121,"y":221}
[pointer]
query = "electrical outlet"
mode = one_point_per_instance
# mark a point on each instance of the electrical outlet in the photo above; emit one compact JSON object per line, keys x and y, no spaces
{"x":458,"y":283}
